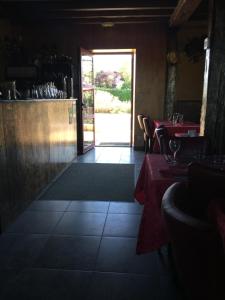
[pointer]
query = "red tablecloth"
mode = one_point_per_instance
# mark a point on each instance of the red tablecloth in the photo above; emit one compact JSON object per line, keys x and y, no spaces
{"x":149,"y":191}
{"x":172,"y":129}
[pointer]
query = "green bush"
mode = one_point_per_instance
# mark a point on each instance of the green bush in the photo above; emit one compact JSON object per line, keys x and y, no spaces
{"x":106,"y":103}
{"x":123,"y":94}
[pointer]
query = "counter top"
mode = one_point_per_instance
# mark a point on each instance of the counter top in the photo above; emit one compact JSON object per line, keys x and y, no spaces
{"x":37,"y":100}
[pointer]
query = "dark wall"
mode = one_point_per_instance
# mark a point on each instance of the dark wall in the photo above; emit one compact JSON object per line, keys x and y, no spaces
{"x":190,"y":109}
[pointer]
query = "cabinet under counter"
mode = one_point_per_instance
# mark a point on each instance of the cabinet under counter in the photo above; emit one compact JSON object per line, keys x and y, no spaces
{"x":38,"y":139}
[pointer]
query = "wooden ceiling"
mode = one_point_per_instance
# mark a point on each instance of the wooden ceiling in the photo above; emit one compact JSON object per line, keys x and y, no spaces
{"x":93,"y":12}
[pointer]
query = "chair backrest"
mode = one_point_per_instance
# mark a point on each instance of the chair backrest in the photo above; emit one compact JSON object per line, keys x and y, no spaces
{"x":192,"y":146}
{"x":196,"y":245}
{"x":140,"y":121}
{"x":163,"y":139}
{"x":148,"y":126}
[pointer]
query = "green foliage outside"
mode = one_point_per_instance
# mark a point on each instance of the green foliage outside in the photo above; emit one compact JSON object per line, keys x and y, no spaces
{"x":106,"y":103}
{"x":118,"y":84}
{"x":124,"y":94}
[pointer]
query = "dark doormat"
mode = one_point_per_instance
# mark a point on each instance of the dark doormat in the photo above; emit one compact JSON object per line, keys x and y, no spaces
{"x":93,"y":181}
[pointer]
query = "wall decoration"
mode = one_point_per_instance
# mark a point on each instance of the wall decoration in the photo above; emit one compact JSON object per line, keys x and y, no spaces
{"x":194,"y":48}
{"x":172,"y":57}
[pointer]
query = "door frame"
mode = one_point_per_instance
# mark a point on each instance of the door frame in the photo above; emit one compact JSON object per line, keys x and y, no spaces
{"x":80,"y":128}
{"x":131,"y":52}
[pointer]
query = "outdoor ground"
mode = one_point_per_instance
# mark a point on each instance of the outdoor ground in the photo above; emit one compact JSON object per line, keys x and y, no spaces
{"x":112,"y":128}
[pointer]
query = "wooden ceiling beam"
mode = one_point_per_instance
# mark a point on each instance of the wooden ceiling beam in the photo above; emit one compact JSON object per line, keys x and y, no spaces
{"x":91,"y":5}
{"x":113,"y":18}
{"x":88,"y":11}
{"x":84,"y":6}
{"x":183,"y":11}
{"x":109,"y":19}
{"x":102,"y":22}
{"x":20,"y":12}
{"x":94,"y":19}
{"x":117,"y":9}
{"x":108,"y":14}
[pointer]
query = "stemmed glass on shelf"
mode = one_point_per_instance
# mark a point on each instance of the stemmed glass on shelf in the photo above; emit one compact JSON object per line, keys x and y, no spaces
{"x":176,"y":118}
{"x":174,"y":145}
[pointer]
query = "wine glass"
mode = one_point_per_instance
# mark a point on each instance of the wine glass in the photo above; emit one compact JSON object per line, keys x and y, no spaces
{"x":175,"y":118}
{"x":174,"y":145}
{"x":169,"y":117}
{"x":181,"y":119}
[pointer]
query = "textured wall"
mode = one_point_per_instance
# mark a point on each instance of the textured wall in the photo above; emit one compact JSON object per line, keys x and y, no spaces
{"x":189,"y":85}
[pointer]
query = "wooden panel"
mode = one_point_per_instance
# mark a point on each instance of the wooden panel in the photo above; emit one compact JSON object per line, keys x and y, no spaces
{"x":183,"y":11}
{"x":4,"y":185}
{"x":38,"y":140}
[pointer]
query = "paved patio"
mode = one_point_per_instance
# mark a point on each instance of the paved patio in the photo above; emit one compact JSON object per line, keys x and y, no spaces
{"x":112,"y":129}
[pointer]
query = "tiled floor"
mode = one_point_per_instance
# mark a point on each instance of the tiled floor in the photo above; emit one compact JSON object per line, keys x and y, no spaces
{"x":82,"y":249}
{"x":114,"y":155}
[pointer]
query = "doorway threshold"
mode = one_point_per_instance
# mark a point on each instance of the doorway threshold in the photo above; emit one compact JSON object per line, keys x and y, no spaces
{"x":113,"y":145}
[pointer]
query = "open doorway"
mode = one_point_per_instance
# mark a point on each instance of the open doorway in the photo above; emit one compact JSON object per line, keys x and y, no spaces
{"x":113,"y":78}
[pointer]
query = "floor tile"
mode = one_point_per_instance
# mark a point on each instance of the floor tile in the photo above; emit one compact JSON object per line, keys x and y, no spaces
{"x":77,"y":223}
{"x":125,"y":208}
{"x":88,"y":157}
{"x":69,"y":253}
{"x":137,"y":169}
{"x":35,"y":222}
{"x":6,"y":241}
{"x":112,"y":155}
{"x":118,"y":255}
{"x":49,"y":205}
{"x":89,"y":206}
{"x":114,"y":286}
{"x":7,"y":276}
{"x":125,"y":225}
{"x":108,"y":159}
{"x":23,"y":251}
{"x":48,"y":284}
{"x":169,"y":289}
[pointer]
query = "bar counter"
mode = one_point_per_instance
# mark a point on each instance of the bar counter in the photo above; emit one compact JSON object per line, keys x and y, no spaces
{"x":38,"y":139}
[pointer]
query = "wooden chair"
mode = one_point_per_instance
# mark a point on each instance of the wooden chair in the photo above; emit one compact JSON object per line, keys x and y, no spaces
{"x":192,"y":146}
{"x":140,"y":121}
{"x":162,"y":136}
{"x":146,"y":126}
{"x":148,"y":131}
{"x":141,"y":126}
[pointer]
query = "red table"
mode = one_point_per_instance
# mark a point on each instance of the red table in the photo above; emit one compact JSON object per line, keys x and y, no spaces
{"x":149,"y":191}
{"x":172,"y":129}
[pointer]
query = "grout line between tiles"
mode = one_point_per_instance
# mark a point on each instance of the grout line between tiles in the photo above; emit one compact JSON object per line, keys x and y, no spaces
{"x":54,"y":227}
{"x":90,"y":271}
{"x":96,"y":260}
